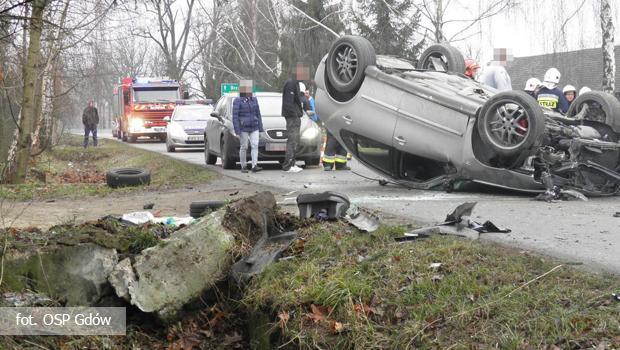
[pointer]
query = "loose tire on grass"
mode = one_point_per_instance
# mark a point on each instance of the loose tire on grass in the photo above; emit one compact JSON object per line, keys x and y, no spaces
{"x":451,"y":58}
{"x":122,"y":177}
{"x":197,"y":209}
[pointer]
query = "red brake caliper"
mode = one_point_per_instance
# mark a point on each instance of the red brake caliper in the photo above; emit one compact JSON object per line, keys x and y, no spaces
{"x":523,"y":123}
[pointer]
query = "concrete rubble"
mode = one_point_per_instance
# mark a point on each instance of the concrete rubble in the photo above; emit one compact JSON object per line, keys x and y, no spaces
{"x":160,"y":279}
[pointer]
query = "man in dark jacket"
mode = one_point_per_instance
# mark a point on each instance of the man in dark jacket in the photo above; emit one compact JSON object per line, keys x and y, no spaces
{"x":90,"y":119}
{"x":292,"y":112}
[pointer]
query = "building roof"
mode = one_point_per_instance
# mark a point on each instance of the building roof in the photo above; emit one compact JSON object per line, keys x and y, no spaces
{"x":578,"y":68}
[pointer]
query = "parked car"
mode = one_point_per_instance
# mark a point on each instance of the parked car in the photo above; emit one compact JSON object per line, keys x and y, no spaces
{"x":186,"y":126}
{"x":220,"y":142}
{"x":432,"y":127}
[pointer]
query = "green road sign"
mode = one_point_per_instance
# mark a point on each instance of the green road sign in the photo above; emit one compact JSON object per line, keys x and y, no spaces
{"x":227,"y":88}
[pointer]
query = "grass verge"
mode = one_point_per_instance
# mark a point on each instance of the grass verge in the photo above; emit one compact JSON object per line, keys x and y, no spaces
{"x":68,"y":170}
{"x":351,"y":290}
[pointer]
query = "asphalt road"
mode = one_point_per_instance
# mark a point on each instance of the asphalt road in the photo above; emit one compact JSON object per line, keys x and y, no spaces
{"x":574,"y":231}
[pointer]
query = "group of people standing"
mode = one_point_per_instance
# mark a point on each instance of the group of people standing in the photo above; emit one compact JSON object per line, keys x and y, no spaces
{"x":546,"y":92}
{"x":296,"y":101}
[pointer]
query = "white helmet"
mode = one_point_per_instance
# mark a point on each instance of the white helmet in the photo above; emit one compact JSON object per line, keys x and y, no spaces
{"x":584,"y":89}
{"x":302,"y":87}
{"x":569,"y":88}
{"x":531,"y":84}
{"x":552,"y":76}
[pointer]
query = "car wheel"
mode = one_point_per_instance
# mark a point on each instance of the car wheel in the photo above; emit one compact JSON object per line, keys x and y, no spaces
{"x":128,"y":177}
{"x":123,"y":136}
{"x":602,"y":107}
{"x":511,"y":123}
{"x":210,"y":159}
{"x":442,"y":58}
{"x":347,"y":61}
{"x":169,"y":147}
{"x":227,"y":162}
{"x":132,"y":139}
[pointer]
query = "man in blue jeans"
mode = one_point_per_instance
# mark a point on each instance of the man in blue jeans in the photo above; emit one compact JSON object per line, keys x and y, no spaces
{"x":90,"y":119}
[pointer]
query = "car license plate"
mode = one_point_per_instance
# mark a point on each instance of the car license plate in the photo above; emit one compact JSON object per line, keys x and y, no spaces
{"x":195,"y":138}
{"x":274,"y":147}
{"x":159,"y":129}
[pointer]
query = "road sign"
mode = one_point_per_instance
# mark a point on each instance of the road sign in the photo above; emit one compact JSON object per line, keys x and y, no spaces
{"x":227,"y":88}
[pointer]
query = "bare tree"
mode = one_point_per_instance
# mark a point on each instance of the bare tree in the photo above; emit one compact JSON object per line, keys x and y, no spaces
{"x":17,"y":163}
{"x":609,"y":59}
{"x":172,"y":42}
{"x":436,"y":12}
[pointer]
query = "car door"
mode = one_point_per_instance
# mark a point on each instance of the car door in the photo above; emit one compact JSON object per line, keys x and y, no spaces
{"x":367,"y":125}
{"x":215,"y":126}
{"x":429,"y":129}
{"x":372,"y":113}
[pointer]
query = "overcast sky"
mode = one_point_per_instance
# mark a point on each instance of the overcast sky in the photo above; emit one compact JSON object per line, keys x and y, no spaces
{"x":533,"y":28}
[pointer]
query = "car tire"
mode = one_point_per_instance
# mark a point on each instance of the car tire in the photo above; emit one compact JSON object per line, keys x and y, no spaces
{"x":198,"y":209}
{"x":341,"y":52}
{"x":121,"y":177}
{"x":312,"y":161}
{"x":170,"y":148}
{"x":451,"y":57}
{"x":604,"y":108}
{"x":123,"y":136}
{"x":517,"y":129}
{"x":132,"y":139}
{"x":210,"y":159}
{"x":227,"y":161}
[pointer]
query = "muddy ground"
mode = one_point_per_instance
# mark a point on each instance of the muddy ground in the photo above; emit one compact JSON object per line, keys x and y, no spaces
{"x":44,"y":214}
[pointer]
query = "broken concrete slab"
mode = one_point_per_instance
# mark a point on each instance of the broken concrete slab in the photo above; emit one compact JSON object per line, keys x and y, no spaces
{"x":164,"y":278}
{"x":75,"y":275}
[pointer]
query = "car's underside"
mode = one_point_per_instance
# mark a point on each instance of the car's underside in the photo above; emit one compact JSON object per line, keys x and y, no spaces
{"x":503,"y":139}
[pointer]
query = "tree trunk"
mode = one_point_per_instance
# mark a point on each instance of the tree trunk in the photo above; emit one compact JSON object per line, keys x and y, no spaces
{"x":439,"y":36}
{"x":609,"y":59}
{"x":44,"y":112}
{"x":17,"y":162}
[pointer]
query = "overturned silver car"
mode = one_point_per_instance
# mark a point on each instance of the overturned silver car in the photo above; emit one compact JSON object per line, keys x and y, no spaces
{"x":430,"y":126}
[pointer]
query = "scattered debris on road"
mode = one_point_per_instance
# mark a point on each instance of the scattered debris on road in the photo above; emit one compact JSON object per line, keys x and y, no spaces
{"x":332,"y":204}
{"x":459,"y":223}
{"x":362,"y":220}
{"x":143,"y":217}
{"x":148,"y":206}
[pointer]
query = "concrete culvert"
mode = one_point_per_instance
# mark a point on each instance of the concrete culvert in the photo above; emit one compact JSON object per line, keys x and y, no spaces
{"x":121,"y":177}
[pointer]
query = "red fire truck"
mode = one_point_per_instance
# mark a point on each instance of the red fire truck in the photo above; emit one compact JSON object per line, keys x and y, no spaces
{"x":141,"y":106}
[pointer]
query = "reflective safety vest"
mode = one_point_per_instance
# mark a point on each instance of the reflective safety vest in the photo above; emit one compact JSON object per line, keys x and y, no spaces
{"x":552,"y":98}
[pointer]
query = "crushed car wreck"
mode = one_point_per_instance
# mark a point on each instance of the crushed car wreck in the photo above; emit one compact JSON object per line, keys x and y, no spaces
{"x":433,"y":127}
